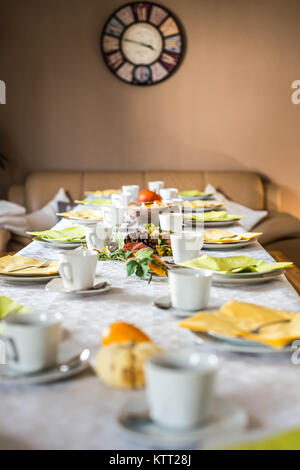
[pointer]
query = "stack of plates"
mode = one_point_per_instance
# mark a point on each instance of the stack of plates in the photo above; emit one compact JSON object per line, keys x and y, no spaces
{"x":228,"y":245}
{"x":27,"y":278}
{"x":61,"y":244}
{"x":246,"y":278}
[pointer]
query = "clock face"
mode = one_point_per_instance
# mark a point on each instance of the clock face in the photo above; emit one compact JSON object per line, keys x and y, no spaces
{"x":142,"y":43}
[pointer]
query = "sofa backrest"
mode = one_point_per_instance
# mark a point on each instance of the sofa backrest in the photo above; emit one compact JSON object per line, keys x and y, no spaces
{"x":244,"y":187}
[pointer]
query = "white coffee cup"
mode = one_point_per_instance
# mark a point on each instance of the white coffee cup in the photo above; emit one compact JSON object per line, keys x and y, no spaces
{"x":189,"y":289}
{"x":98,"y":236}
{"x":155,"y":186}
{"x":77,"y":269}
{"x":168,"y":194}
{"x":133,"y":189}
{"x":32,"y":340}
{"x":186,"y":245}
{"x":113,"y":215}
{"x":171,"y":221}
{"x":180,"y":388}
{"x":115,"y":200}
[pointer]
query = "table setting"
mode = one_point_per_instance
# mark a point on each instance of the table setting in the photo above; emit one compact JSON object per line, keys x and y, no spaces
{"x":163,"y":332}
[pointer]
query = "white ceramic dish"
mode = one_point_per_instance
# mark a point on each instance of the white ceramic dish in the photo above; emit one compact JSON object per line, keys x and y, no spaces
{"x":27,"y":279}
{"x":200,"y":209}
{"x":133,"y":420}
{"x":197,"y":198}
{"x":246,"y":278}
{"x":225,"y":344}
{"x":68,"y":349}
{"x":219,"y":223}
{"x":229,"y":246}
{"x":213,"y":305}
{"x":57,"y":285}
{"x":61,"y":245}
{"x":86,"y":222}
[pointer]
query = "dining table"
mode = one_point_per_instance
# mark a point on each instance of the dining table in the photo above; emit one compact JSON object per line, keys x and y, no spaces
{"x":81,"y":413}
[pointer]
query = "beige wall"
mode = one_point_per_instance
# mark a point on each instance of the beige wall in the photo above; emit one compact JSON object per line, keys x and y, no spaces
{"x":227,"y":107}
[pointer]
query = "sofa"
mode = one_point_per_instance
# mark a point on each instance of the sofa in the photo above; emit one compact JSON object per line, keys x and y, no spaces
{"x":281,"y":231}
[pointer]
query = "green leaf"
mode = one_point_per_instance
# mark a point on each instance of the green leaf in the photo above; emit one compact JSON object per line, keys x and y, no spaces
{"x":131,"y":266}
{"x":144,"y":253}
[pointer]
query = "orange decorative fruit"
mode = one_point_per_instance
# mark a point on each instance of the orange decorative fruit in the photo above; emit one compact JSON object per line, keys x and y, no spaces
{"x":120,"y":332}
{"x":148,"y":196}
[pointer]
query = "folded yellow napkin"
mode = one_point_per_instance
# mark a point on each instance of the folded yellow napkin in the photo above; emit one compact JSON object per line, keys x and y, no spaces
{"x":213,"y":216}
{"x":97,"y":201}
{"x":233,"y":264}
{"x":20,"y":265}
{"x":75,"y":234}
{"x":88,"y":214}
{"x":194,"y":193}
{"x":221,"y":236}
{"x":8,"y":306}
{"x":238,"y":319}
{"x":104,"y":192}
{"x":200,"y":204}
{"x":288,"y":440}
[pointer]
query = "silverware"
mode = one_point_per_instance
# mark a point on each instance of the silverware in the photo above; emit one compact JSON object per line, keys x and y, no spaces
{"x":163,"y":305}
{"x":44,"y":265}
{"x":256,"y":330}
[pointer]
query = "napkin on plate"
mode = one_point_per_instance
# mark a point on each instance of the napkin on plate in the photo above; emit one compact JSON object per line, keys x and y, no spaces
{"x":8,"y":306}
{"x":97,"y":201}
{"x":19,"y":265}
{"x":221,"y":236}
{"x":238,"y":319}
{"x":213,"y":216}
{"x":194,"y":193}
{"x":88,"y":214}
{"x":233,"y":264}
{"x":75,"y":234}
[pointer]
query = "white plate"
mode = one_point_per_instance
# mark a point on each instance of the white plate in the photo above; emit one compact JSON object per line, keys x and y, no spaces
{"x":200,"y":209}
{"x":57,"y":285}
{"x":28,"y":279}
{"x":133,"y":420}
{"x":68,"y":349}
{"x":86,"y":222}
{"x":246,"y":278}
{"x":197,"y":198}
{"x":219,"y":223}
{"x":229,"y":245}
{"x":61,"y":245}
{"x":213,"y":305}
{"x":227,"y":345}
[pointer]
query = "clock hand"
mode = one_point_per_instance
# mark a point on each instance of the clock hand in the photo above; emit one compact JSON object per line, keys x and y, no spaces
{"x":141,"y":43}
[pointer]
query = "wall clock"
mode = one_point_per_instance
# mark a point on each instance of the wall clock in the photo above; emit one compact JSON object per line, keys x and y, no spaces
{"x":142,"y":43}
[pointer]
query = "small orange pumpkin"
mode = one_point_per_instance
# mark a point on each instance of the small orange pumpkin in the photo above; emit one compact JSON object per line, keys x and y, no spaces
{"x":120,"y":332}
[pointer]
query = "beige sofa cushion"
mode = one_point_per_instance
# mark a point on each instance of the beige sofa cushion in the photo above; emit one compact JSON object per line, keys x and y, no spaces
{"x":243,"y":187}
{"x":41,"y":187}
{"x":278,"y":226}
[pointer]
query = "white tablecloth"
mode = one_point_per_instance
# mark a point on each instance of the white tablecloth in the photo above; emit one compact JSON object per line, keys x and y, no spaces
{"x":80,"y":413}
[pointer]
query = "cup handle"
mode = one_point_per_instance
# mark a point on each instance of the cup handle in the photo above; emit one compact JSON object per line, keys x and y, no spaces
{"x":65,"y":271}
{"x":12,"y":352}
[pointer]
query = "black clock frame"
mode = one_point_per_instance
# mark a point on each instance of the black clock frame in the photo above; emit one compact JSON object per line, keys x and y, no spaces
{"x":181,"y":32}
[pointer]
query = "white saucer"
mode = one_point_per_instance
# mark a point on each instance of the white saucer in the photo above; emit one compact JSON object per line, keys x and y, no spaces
{"x":133,"y":420}
{"x":57,"y":285}
{"x":68,"y":349}
{"x":213,"y":305}
{"x":237,"y":345}
{"x":199,"y":210}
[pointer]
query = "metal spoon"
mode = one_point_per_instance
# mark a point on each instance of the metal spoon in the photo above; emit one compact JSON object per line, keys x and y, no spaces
{"x":100,"y":285}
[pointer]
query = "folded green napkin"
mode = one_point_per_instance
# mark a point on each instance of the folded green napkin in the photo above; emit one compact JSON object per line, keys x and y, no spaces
{"x":97,"y":201}
{"x":233,"y":264}
{"x":74,"y":234}
{"x":289,"y":440}
{"x":213,"y":216}
{"x":8,"y":306}
{"x":194,"y":193}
